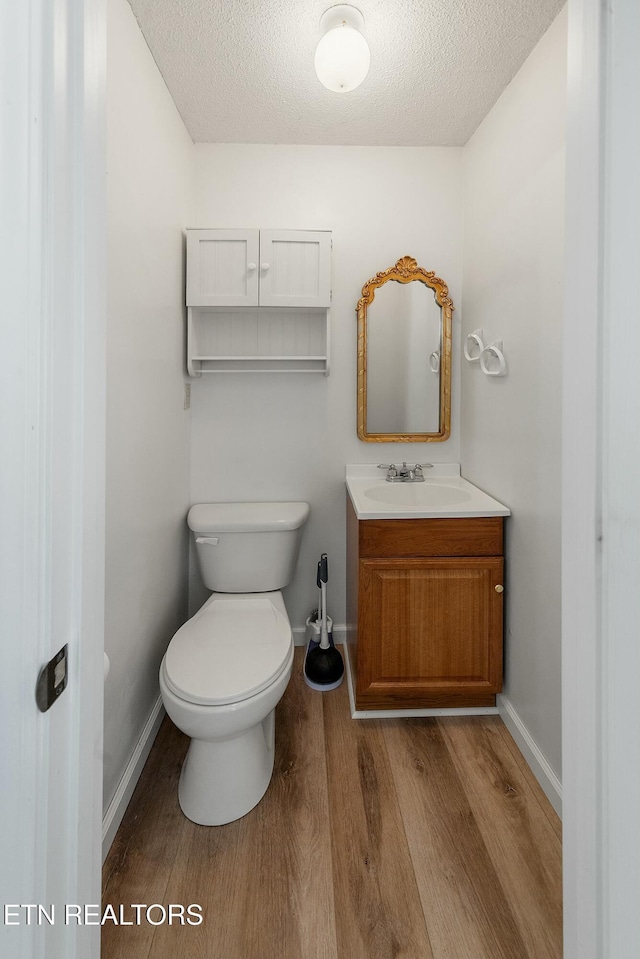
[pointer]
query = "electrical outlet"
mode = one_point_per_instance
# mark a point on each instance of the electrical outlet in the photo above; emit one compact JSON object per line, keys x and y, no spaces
{"x":187,"y":396}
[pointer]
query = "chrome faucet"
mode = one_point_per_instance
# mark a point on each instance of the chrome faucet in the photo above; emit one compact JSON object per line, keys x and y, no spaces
{"x":405,"y":474}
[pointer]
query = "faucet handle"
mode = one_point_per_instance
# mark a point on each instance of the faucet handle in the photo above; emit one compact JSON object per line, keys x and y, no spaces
{"x":391,"y":467}
{"x":418,"y":470}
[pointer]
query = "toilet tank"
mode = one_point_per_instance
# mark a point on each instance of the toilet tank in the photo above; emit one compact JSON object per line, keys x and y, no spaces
{"x":247,"y":547}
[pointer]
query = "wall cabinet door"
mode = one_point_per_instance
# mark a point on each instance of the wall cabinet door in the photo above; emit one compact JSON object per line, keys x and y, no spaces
{"x":222,"y":267}
{"x":429,"y":632}
{"x":248,"y":268}
{"x":295,"y":268}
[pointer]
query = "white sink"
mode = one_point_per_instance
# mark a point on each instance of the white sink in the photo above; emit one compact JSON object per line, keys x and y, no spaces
{"x":428,"y":495}
{"x":444,"y":493}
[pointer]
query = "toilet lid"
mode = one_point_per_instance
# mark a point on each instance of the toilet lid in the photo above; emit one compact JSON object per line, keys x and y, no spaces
{"x":231,"y":650}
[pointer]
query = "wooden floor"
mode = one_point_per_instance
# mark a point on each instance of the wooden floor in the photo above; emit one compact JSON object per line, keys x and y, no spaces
{"x":385,"y":839}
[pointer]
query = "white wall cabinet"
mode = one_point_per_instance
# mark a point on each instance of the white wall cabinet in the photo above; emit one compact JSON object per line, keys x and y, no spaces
{"x":258,"y":300}
{"x":288,"y":268}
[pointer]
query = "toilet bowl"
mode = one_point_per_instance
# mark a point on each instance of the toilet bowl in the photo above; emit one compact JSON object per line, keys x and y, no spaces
{"x":227,"y":668}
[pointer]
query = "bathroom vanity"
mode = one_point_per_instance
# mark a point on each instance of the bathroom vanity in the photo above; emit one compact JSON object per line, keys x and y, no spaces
{"x":424,"y":591}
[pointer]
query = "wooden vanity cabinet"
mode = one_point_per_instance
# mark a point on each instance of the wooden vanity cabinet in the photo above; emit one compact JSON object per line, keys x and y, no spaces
{"x":425,"y":609}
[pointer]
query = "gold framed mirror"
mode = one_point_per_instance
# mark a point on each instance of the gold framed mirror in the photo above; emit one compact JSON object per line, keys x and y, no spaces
{"x":404,"y":356}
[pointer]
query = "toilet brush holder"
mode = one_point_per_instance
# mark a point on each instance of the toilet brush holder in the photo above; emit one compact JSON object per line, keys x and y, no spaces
{"x":314,"y":629}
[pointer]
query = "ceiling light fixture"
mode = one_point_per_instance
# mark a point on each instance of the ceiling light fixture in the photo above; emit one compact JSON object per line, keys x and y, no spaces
{"x":342,"y":56}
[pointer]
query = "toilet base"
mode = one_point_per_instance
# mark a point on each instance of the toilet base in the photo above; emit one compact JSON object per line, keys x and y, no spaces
{"x":222,"y":781}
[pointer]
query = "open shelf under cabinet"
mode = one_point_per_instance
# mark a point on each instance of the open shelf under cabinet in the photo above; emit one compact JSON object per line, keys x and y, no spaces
{"x":250,"y":340}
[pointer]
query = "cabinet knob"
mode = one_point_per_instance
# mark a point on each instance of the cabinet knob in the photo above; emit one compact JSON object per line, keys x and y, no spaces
{"x":251,"y":266}
{"x":499,"y":589}
{"x":264,"y":266}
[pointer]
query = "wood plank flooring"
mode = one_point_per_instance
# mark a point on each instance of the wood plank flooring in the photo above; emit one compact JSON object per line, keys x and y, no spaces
{"x":385,"y":839}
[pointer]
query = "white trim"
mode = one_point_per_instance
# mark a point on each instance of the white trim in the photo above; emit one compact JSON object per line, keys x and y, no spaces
{"x":423,"y":713}
{"x":533,"y":755}
{"x":581,"y":506}
{"x":601,"y":476}
{"x":90,"y":333}
{"x":122,"y":796}
{"x":23,"y":808}
{"x":299,"y":634}
{"x":619,"y":471}
{"x":53,"y":201}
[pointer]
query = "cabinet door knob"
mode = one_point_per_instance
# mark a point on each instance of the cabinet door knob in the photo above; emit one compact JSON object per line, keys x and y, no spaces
{"x":264,"y":266}
{"x":251,"y":266}
{"x":499,"y":589}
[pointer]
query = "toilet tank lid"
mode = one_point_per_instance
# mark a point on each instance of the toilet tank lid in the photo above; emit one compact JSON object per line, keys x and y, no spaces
{"x":246,"y":517}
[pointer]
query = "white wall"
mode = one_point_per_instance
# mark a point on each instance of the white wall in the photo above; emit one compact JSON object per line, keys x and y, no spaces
{"x":510,"y":427}
{"x":289,"y":436}
{"x":150,"y":176}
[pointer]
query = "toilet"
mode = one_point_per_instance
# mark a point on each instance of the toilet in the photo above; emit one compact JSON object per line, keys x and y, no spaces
{"x":227,"y":668}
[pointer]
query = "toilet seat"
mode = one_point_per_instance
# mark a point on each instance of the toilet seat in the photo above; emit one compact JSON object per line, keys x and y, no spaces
{"x":232,"y":649}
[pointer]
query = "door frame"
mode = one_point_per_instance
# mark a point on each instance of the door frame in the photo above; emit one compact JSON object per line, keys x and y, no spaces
{"x":601,"y":479}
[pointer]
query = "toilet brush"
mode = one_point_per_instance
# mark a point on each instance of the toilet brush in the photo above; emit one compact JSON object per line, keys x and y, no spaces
{"x":313,"y":621}
{"x":323,"y":666}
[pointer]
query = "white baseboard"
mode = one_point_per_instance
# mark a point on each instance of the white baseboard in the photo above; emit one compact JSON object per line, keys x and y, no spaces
{"x":117,"y":806}
{"x":299,"y":635}
{"x":549,"y":782}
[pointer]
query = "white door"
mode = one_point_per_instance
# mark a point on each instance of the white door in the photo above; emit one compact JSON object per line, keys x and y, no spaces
{"x":222,"y":267}
{"x":295,"y":268}
{"x":52,"y":478}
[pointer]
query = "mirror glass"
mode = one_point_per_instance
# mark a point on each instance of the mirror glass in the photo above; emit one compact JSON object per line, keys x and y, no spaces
{"x":404,"y":356}
{"x":403,"y":388}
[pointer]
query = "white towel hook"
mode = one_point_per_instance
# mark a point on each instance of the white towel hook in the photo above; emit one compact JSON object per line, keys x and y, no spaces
{"x":474,"y":345}
{"x":495,"y":351}
{"x":434,"y":362}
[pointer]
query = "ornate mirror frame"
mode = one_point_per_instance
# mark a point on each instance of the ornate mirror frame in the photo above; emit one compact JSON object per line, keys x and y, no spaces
{"x":406,"y":270}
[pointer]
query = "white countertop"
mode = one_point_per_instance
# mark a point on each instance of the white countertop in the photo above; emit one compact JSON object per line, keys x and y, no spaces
{"x":444,"y":494}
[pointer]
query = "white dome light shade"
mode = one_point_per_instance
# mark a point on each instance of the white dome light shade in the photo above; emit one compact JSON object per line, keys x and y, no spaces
{"x":342,"y":57}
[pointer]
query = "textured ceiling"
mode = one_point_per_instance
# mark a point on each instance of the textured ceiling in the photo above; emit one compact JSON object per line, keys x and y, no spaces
{"x":241,"y":71}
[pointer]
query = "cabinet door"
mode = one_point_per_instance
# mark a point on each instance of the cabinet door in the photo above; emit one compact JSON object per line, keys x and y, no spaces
{"x":295,"y":268}
{"x":429,"y":632}
{"x":222,"y":267}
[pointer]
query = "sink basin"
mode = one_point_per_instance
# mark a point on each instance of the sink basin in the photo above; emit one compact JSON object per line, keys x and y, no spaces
{"x":426,"y":495}
{"x":444,"y":494}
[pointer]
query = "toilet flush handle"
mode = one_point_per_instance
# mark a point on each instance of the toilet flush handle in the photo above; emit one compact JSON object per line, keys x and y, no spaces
{"x":209,"y":540}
